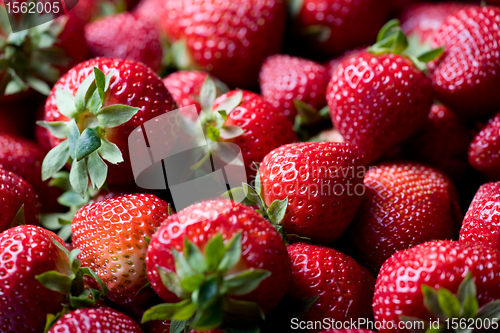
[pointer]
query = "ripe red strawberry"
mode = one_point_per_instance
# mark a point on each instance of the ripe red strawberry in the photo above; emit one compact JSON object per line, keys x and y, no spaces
{"x":343,"y":287}
{"x":321,"y":181}
{"x":230,"y":39}
{"x":442,"y":142}
{"x":15,"y":193}
{"x":482,"y":220}
{"x":111,"y":234}
{"x":24,"y":158}
{"x":404,"y":205}
{"x":95,"y":320}
{"x":284,"y":79}
{"x":125,"y":36}
{"x":105,"y":115}
{"x":484,"y":151}
{"x":25,"y":252}
{"x":424,"y":19}
{"x":443,"y":265}
{"x":465,"y":77}
{"x":253,"y":266}
{"x":263,"y":127}
{"x":333,"y":64}
{"x":324,"y":23}
{"x":378,"y":99}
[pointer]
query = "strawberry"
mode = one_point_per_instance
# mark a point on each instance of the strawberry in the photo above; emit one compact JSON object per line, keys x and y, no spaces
{"x":408,"y":283}
{"x":96,"y":320}
{"x":218,"y":256}
{"x":333,"y":64}
{"x":379,"y":98}
{"x":284,"y":80}
{"x":424,"y":19}
{"x":24,"y":158}
{"x":442,"y":142}
{"x":37,"y":58}
{"x":337,"y":286}
{"x":325,"y":24}
{"x":405,"y":204}
{"x":98,"y":110}
{"x":465,"y":77}
{"x":316,"y":184}
{"x":113,"y":37}
{"x":230,"y":39}
{"x":484,"y":151}
{"x":126,"y":221}
{"x":16,"y":118}
{"x":25,"y":252}
{"x":482,"y":220}
{"x":19,"y":204}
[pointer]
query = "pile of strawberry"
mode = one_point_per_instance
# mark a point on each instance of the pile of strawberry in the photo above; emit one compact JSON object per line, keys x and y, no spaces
{"x":359,"y":220}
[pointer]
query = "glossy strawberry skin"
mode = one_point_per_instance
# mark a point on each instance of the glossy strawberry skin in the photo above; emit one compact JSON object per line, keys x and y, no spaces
{"x":405,"y":204}
{"x":482,"y":221}
{"x":265,"y":128}
{"x":466,"y":77}
{"x":262,"y":246}
{"x":95,"y":320}
{"x":134,"y":85}
{"x":242,"y":34}
{"x":484,"y":151}
{"x":16,"y":192}
{"x":24,"y":158}
{"x":438,"y":264}
{"x":284,"y":78}
{"x":351,"y":23}
{"x":321,"y":180}
{"x":344,"y":287}
{"x":425,"y":19}
{"x":442,"y":142}
{"x":125,"y":36}
{"x":392,"y":99}
{"x":27,"y":251}
{"x":111,"y":234}
{"x":333,"y":64}
{"x":185,"y":87}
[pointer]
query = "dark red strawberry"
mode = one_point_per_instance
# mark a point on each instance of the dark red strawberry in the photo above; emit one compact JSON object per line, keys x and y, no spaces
{"x":335,"y":26}
{"x":16,"y":118}
{"x":484,"y":151}
{"x":229,"y":38}
{"x":285,"y":80}
{"x":24,"y":158}
{"x":16,"y":193}
{"x":95,"y":321}
{"x":125,"y":36}
{"x":411,"y":276}
{"x":126,"y":220}
{"x":316,"y":186}
{"x":231,"y":255}
{"x":482,"y":221}
{"x":102,"y":114}
{"x":25,"y":252}
{"x":404,"y":205}
{"x":465,"y":77}
{"x":337,"y":286}
{"x":424,"y":19}
{"x":379,"y":98}
{"x":442,"y":142}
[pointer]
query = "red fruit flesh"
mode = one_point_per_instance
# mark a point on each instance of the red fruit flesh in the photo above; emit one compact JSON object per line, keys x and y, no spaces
{"x":320,"y":180}
{"x":484,"y":151}
{"x":262,"y":246}
{"x":404,"y":205}
{"x":343,"y":286}
{"x":438,"y":264}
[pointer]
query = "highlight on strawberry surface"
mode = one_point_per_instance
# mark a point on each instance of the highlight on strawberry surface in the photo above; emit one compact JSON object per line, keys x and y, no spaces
{"x":249,"y":166}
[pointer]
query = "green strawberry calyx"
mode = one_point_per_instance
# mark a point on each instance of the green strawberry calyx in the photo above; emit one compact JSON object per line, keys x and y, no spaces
{"x":210,"y":287}
{"x":391,"y":39}
{"x":72,"y":284}
{"x":308,"y":119}
{"x":29,"y":58}
{"x":19,"y":218}
{"x":442,"y":304}
{"x":85,"y":145}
